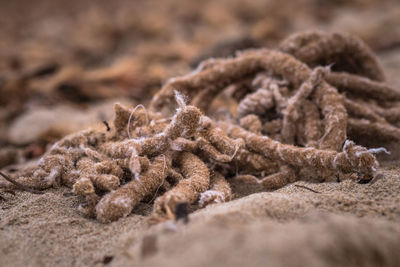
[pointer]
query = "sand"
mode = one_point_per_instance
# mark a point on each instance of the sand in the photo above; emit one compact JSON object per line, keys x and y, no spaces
{"x":345,"y":223}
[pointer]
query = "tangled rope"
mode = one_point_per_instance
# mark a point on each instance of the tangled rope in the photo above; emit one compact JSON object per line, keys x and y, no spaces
{"x":290,"y":115}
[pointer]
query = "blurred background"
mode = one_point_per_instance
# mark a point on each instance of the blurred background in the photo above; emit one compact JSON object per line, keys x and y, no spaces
{"x":64,"y":63}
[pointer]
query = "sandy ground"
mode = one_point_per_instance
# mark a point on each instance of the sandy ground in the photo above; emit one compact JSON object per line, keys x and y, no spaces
{"x":344,"y":224}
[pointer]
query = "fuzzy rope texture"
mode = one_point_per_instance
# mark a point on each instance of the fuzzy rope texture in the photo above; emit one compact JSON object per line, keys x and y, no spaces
{"x":297,"y":112}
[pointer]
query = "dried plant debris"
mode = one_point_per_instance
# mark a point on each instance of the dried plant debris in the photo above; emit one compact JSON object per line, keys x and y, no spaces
{"x":293,"y":118}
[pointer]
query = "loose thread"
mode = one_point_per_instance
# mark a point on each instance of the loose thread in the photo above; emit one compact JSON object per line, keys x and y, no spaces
{"x":130,"y":117}
{"x":305,"y":187}
{"x":21,"y":186}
